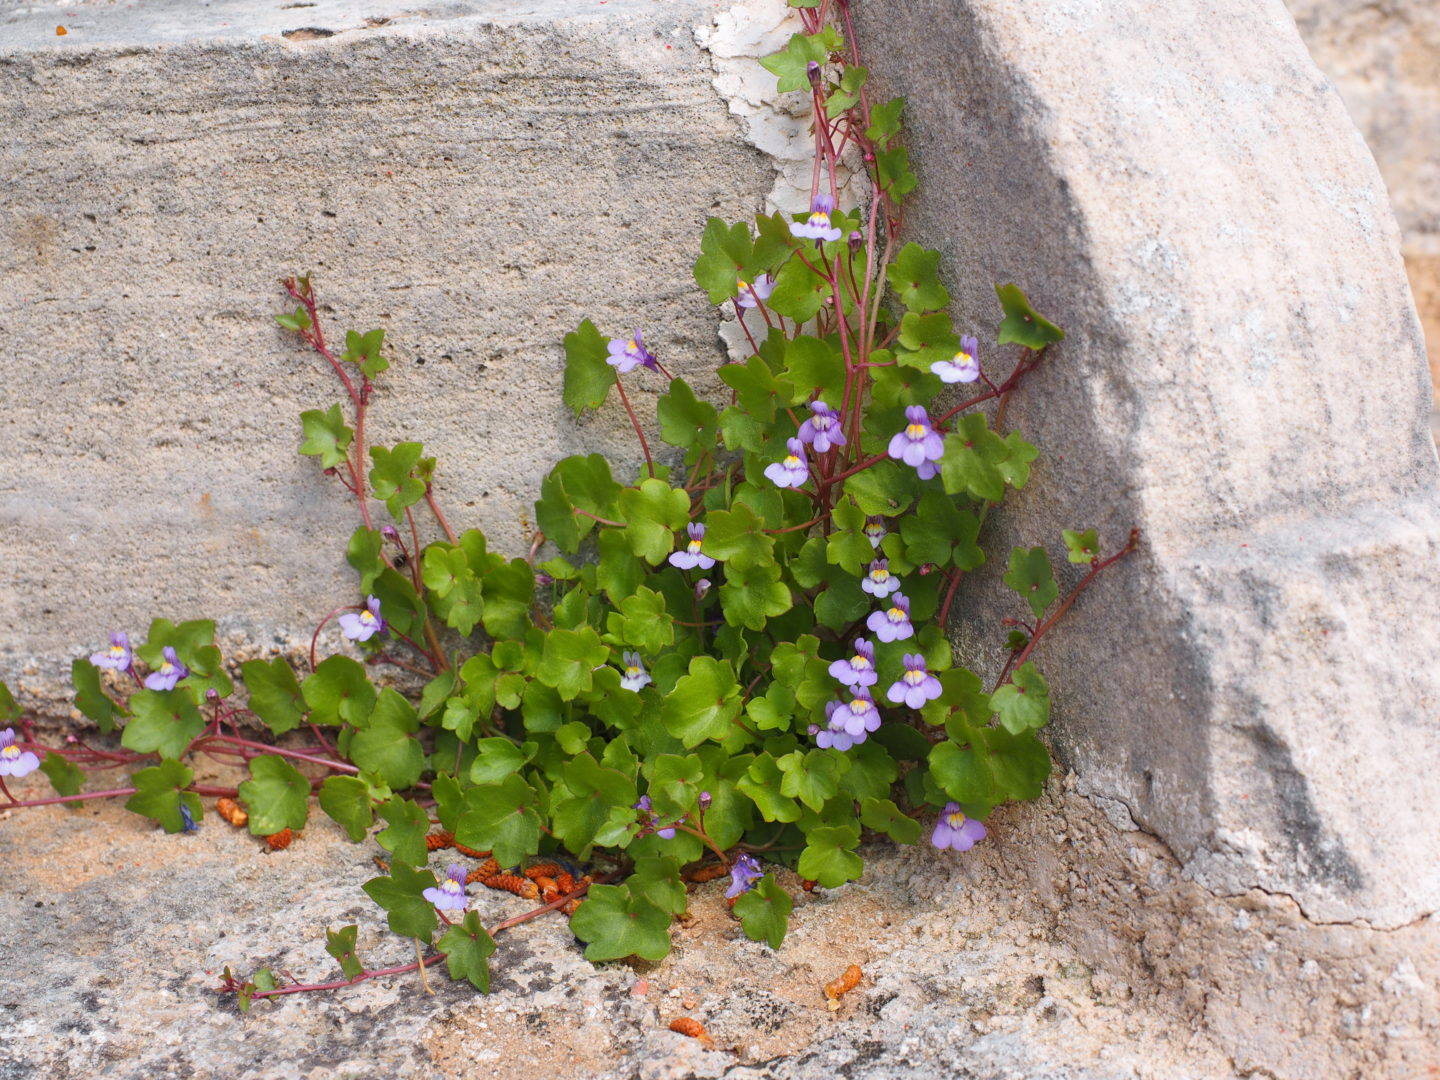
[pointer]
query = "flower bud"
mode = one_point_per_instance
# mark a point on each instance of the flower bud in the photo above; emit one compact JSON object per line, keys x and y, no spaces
{"x":856,"y":241}
{"x":704,"y":801}
{"x":542,"y":579}
{"x":701,"y":588}
{"x":812,"y":72}
{"x":212,"y":695}
{"x":389,"y":532}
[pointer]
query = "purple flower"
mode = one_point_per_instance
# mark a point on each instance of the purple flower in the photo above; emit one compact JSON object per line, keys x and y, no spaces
{"x":955,"y":830}
{"x":916,"y":686}
{"x":834,"y":735}
{"x":962,"y":367}
{"x":859,"y":670}
{"x":690,"y":557}
{"x":170,"y":672}
{"x":822,"y":430}
{"x":666,"y":833}
{"x":817,"y":226}
{"x":701,"y":588}
{"x":636,"y":678}
{"x":858,"y":716}
{"x":743,"y":876}
{"x":117,"y":656}
{"x":875,"y":531}
{"x":449,"y":895}
{"x":892,"y":624}
{"x":793,"y":470}
{"x":879,"y":582}
{"x":363,"y":625}
{"x":919,"y":445}
{"x":761,"y":287}
{"x":628,"y":354}
{"x":187,"y":819}
{"x":13,"y":760}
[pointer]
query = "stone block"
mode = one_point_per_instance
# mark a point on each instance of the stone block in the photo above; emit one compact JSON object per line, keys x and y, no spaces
{"x":476,"y":179}
{"x":1244,"y":380}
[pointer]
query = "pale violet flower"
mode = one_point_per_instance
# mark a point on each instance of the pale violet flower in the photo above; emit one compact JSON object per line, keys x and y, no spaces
{"x":878,"y":581}
{"x":918,"y":444}
{"x":364,"y":624}
{"x":690,"y":556}
{"x":626,"y":354}
{"x":859,"y":670}
{"x":761,"y":287}
{"x":916,"y":686}
{"x":449,"y":895}
{"x":955,"y":830}
{"x":636,"y":677}
{"x":117,"y":656}
{"x":963,"y":367}
{"x":744,"y":873}
{"x":892,"y":624}
{"x":817,"y":226}
{"x":792,"y":470}
{"x":875,"y":531}
{"x":170,"y":672}
{"x":13,"y":760}
{"x":822,"y":430}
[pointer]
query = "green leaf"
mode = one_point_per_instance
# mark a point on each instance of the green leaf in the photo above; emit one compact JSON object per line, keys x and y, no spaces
{"x":363,"y":553}
{"x":847,"y":95}
{"x":812,"y":364}
{"x":847,"y":545}
{"x":799,"y":292}
{"x":757,"y":391}
{"x":913,"y":275}
{"x":885,"y":120}
{"x":617,"y":924}
{"x":939,"y":531}
{"x":405,"y":838}
{"x":1015,"y":469}
{"x":276,"y":795}
{"x":1020,"y":762}
{"x":495,"y":759}
{"x":647,"y":625}
{"x":1082,"y":548}
{"x":1031,"y":577}
{"x":159,"y":795}
{"x":686,"y":421}
{"x":588,"y":377}
{"x":193,"y":642}
{"x":341,"y":945}
{"x":299,"y":319}
{"x":400,"y":894}
{"x":364,"y":349}
{"x":725,"y":253}
{"x":508,"y":591}
{"x":326,"y":436}
{"x":392,"y":477}
{"x":829,"y":856}
{"x":892,"y":171}
{"x":569,"y":661}
{"x":657,"y":879}
{"x":792,"y":66}
{"x":704,"y":704}
{"x":339,"y":691}
{"x":749,"y":597}
{"x":467,"y":946}
{"x":886,"y":488}
{"x":501,"y":818}
{"x":737,"y":537}
{"x":164,"y":722}
{"x":964,"y":773}
{"x":387,"y":744}
{"x":810,"y":777}
{"x":90,"y":699}
{"x":1023,"y":702}
{"x":761,"y":784}
{"x":1023,"y":325}
{"x":764,"y":912}
{"x":972,"y":455}
{"x":347,"y":800}
{"x":65,"y":778}
{"x":653,"y":512}
{"x":594,"y":792}
{"x":884,"y":816}
{"x":275,"y":695}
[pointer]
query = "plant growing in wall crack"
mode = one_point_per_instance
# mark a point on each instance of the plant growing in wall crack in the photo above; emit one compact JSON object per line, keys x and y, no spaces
{"x":734,"y":661}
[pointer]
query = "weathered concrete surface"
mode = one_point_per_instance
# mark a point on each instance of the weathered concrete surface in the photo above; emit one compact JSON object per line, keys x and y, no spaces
{"x":476,"y":180}
{"x":1385,"y":61}
{"x":1244,"y":380}
{"x":1063,"y":948}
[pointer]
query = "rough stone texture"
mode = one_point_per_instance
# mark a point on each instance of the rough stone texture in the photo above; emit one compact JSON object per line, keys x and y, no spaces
{"x":476,"y":180}
{"x":1062,"y":949}
{"x":1244,"y":380}
{"x":1385,"y":61}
